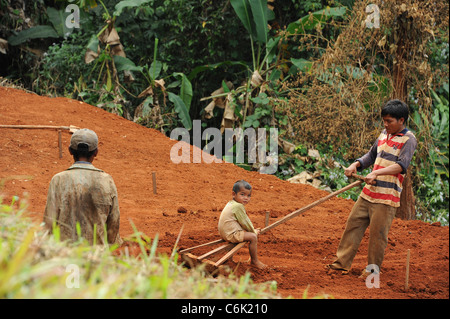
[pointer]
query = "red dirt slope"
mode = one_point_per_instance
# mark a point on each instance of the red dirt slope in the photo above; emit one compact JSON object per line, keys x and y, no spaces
{"x":296,"y":251}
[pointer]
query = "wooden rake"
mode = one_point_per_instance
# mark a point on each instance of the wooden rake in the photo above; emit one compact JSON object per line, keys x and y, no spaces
{"x":231,"y":248}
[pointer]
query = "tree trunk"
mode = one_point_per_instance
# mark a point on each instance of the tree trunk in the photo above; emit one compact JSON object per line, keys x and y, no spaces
{"x":407,"y":209}
{"x":407,"y":200}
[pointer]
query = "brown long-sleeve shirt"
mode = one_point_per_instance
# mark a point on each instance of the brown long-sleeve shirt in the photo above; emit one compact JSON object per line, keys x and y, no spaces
{"x":86,"y":196}
{"x":233,"y":218}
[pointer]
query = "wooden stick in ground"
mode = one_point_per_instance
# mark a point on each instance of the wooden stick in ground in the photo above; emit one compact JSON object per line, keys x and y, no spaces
{"x":154,"y":182}
{"x":407,"y":271}
{"x":303,"y":209}
{"x":60,"y":143}
{"x":266,"y":222}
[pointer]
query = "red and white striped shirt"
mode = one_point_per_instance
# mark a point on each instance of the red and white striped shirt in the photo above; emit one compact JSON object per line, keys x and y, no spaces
{"x":388,"y":150}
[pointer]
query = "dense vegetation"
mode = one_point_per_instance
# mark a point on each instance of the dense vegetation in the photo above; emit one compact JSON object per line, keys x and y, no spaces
{"x":312,"y":69}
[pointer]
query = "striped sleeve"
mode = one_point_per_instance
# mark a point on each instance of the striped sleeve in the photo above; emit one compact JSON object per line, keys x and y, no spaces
{"x":407,"y":152}
{"x":369,"y":158}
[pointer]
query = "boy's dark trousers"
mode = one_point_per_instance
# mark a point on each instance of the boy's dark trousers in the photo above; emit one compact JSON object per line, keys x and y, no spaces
{"x":378,"y":217}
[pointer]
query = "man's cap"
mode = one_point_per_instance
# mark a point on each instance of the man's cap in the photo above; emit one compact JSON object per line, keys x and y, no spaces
{"x":84,"y":139}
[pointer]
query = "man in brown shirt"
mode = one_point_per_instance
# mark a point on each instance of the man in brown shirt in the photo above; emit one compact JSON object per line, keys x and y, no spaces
{"x":82,"y":201}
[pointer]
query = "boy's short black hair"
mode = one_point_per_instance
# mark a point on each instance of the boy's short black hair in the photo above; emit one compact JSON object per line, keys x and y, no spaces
{"x":241,"y":183}
{"x":81,"y":152}
{"x":396,"y":108}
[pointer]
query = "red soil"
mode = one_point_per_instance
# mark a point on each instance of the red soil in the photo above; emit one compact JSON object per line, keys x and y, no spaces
{"x":295,"y":252}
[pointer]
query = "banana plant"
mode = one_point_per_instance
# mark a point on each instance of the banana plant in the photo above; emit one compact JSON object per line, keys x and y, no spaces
{"x":56,"y":29}
{"x":264,"y":73}
{"x":157,"y":86}
{"x":254,"y":15}
{"x":114,"y":60}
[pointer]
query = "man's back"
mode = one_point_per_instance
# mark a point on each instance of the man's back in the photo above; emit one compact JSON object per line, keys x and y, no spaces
{"x":86,"y":195}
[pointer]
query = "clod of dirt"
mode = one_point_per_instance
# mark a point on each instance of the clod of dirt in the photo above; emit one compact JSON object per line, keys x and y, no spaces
{"x":181,"y":210}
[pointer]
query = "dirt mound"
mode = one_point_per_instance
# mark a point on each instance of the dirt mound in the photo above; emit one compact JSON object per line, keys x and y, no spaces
{"x":194,"y":194}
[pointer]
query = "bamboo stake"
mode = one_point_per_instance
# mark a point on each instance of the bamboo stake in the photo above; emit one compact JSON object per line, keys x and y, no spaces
{"x":176,"y":242}
{"x":407,"y":270}
{"x":70,"y":128}
{"x":60,"y":143}
{"x":154,"y":182}
{"x":266,"y":222}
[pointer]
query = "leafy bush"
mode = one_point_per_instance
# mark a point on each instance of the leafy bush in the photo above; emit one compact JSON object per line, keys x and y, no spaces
{"x":63,"y":67}
{"x":431,"y":177}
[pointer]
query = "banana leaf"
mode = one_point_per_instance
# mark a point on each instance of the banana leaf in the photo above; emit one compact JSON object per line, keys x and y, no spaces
{"x":128,"y":4}
{"x":309,"y":22}
{"x":37,"y":32}
{"x":125,"y":64}
{"x":211,"y":67}
{"x":181,"y":109}
{"x":58,"y":20}
{"x":254,"y":15}
{"x":186,"y":92}
{"x":260,"y":17}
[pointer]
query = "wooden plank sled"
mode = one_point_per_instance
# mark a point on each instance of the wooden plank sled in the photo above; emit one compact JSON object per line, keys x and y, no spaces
{"x":193,"y":260}
{"x":202,"y":245}
{"x":212,"y":267}
{"x":232,"y":248}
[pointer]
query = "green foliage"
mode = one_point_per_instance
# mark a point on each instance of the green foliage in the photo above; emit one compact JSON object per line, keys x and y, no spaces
{"x":432,"y":177}
{"x":62,"y":67}
{"x":181,"y":109}
{"x":311,"y":21}
{"x":37,"y":32}
{"x":263,"y":110}
{"x":254,"y":15}
{"x":128,"y":4}
{"x":37,"y":265}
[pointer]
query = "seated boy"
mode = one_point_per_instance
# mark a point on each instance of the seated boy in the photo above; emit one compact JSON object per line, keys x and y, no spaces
{"x":234,"y":224}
